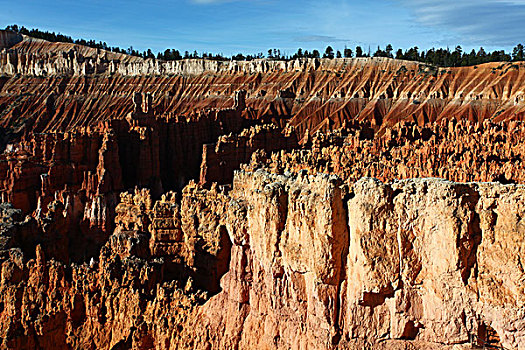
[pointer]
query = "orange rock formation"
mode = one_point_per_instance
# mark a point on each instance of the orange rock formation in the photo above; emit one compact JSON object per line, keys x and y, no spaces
{"x":127,"y":224}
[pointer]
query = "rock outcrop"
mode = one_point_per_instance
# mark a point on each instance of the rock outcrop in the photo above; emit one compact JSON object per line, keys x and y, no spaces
{"x":398,"y":261}
{"x":90,"y":85}
{"x":221,"y":159}
{"x":425,"y":262}
{"x":458,"y":151}
{"x":306,"y":204}
{"x":87,"y":168}
{"x":9,"y":38}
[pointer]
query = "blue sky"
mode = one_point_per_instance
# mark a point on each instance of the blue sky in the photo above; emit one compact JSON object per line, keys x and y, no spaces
{"x":251,"y":26}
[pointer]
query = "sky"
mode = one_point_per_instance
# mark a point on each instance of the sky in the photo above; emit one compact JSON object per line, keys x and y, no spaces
{"x":251,"y":26}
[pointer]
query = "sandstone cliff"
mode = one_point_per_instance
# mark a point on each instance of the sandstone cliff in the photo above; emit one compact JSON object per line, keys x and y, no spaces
{"x":429,"y":262}
{"x":56,"y":86}
{"x":126,"y":223}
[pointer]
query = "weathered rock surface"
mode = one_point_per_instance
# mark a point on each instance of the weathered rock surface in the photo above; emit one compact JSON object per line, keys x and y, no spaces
{"x":399,"y":261}
{"x":123,"y":225}
{"x":220,"y":160}
{"x":132,"y":295}
{"x":424,"y":263}
{"x":87,"y":168}
{"x":89,"y":86}
{"x":9,"y":38}
{"x":454,"y":150}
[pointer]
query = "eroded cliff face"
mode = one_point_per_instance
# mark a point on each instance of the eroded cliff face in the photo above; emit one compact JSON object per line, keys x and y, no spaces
{"x":425,"y":262}
{"x":86,"y":169}
{"x":389,"y":262}
{"x":56,"y":86}
{"x":126,"y":223}
{"x":458,"y":151}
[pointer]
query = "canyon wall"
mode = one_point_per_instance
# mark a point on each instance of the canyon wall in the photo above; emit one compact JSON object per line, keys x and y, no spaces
{"x":425,"y":261}
{"x":9,"y":38}
{"x":458,"y":151}
{"x":304,"y":204}
{"x":89,"y":167}
{"x":381,"y":91}
{"x":414,"y":260}
{"x":58,"y":86}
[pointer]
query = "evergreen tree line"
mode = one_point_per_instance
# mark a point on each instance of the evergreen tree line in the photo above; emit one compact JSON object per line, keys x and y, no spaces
{"x":438,"y":57}
{"x":57,"y":37}
{"x":457,"y":58}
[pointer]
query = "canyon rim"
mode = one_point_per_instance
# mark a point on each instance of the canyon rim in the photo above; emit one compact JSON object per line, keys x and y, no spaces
{"x":299,"y":203}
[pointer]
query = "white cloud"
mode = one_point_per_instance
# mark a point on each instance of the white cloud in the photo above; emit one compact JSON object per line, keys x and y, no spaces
{"x":481,"y":22}
{"x":319,"y":38}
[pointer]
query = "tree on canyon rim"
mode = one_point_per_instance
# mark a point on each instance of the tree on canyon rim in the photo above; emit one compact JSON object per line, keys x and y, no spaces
{"x":443,"y":57}
{"x":329,"y":53}
{"x":518,"y":53}
{"x":358,"y":52}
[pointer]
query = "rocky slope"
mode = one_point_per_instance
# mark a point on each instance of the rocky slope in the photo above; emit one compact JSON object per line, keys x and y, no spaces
{"x":430,"y":262}
{"x":55,"y":86}
{"x":127,"y":224}
{"x":458,"y":151}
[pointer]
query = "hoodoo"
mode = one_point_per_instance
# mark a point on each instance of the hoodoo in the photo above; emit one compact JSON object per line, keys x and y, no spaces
{"x":345,"y":203}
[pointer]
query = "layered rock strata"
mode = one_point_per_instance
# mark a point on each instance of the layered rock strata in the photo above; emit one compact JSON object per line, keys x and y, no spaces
{"x":87,"y":168}
{"x":56,"y":86}
{"x":123,"y":224}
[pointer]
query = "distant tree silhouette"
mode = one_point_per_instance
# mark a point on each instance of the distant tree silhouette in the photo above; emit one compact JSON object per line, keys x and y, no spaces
{"x":239,"y":57}
{"x":443,"y":57}
{"x":389,"y":50}
{"x":149,"y":54}
{"x":358,"y":51}
{"x":329,"y":52}
{"x":380,"y":53}
{"x":481,"y":53}
{"x":517,"y":53}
